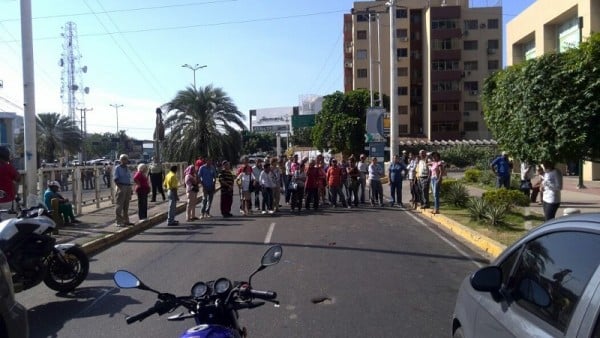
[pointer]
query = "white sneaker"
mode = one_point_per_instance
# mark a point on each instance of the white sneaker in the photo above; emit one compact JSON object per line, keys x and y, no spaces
{"x":263,"y":212}
{"x":271,"y":211}
{"x":242,"y":212}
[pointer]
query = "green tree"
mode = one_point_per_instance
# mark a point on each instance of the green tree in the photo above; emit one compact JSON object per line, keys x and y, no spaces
{"x":98,"y":145}
{"x":202,"y":121}
{"x":547,"y":109}
{"x":56,"y":134}
{"x":257,"y":142}
{"x":302,"y":137}
{"x":341,"y":124}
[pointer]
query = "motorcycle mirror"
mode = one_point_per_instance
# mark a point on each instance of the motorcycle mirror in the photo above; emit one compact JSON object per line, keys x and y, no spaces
{"x":272,"y":256}
{"x":126,"y":280}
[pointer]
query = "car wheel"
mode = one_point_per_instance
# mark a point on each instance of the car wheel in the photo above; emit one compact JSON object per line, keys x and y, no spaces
{"x":458,"y":333}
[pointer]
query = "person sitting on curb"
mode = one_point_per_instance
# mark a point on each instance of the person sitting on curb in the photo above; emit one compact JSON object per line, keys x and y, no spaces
{"x":65,"y":208}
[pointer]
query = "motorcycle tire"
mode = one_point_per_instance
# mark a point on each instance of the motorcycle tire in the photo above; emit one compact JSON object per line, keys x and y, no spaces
{"x":66,"y":277}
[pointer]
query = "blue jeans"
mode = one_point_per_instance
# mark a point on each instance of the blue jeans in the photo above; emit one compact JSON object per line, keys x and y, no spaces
{"x":435,"y":189}
{"x":396,"y":192}
{"x":207,"y":200}
{"x":503,"y":181}
{"x":172,"y":195}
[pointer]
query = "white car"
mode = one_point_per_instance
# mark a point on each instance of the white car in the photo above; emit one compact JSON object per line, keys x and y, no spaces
{"x":547,"y":284}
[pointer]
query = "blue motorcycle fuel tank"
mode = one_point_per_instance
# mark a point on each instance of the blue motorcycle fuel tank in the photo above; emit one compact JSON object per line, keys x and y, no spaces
{"x":208,"y":331}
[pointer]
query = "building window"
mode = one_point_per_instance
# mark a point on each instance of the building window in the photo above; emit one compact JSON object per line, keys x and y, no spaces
{"x":493,"y":24}
{"x":415,"y":17}
{"x":361,"y":73}
{"x":471,"y":126}
{"x":401,"y":33}
{"x":402,"y":71}
{"x":361,"y":54}
{"x":471,"y":86}
{"x":402,"y":52}
{"x":362,"y":17}
{"x":401,"y":13}
{"x":415,"y":54}
{"x":470,"y":45}
{"x":443,"y":44}
{"x":402,"y":91}
{"x":361,"y":35}
{"x":471,"y":24}
{"x":493,"y":64}
{"x":403,"y":129}
{"x":568,"y":35}
{"x":403,"y":110}
{"x":471,"y":105}
{"x":442,"y":65}
{"x":471,"y":65}
{"x":493,"y":44}
{"x":444,"y":86}
{"x":444,"y":126}
{"x":529,"y":50}
{"x":443,"y":24}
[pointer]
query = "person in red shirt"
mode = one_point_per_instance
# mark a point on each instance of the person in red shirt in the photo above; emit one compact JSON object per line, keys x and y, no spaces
{"x":313,"y":175}
{"x":9,"y":179}
{"x":334,"y":182}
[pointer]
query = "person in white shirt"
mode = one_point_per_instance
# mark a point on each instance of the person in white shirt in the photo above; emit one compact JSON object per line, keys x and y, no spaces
{"x":363,"y":168}
{"x":551,"y":187}
{"x":375,"y":173}
{"x":266,"y":180}
{"x":423,"y":177}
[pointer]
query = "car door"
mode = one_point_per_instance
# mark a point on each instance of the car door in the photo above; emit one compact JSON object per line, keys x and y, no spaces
{"x":544,"y":279}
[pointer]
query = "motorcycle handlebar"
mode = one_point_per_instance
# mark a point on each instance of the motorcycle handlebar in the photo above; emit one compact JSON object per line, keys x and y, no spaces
{"x":267,"y":295}
{"x":141,"y":316}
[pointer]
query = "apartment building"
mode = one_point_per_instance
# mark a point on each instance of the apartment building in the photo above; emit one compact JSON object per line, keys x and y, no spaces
{"x":550,"y":26}
{"x":444,"y":50}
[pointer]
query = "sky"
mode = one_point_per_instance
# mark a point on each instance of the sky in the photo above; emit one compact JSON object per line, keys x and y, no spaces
{"x":262,"y":53}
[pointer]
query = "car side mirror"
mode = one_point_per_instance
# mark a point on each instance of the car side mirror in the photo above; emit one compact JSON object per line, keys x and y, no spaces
{"x":487,"y":279}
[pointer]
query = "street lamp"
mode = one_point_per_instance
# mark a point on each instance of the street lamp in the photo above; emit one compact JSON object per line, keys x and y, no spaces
{"x":194,"y":68}
{"x":393,"y":118}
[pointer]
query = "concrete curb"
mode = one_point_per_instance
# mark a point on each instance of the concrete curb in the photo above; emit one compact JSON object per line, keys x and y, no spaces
{"x":489,"y":246}
{"x":98,"y":245}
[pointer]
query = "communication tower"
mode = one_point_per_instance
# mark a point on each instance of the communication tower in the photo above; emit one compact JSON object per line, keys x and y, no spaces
{"x":72,"y":90}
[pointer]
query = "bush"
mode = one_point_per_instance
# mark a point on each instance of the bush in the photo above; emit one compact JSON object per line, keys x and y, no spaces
{"x":472,"y":175}
{"x":463,"y":156}
{"x":455,"y":193}
{"x":446,"y":183}
{"x":476,"y":207}
{"x":488,"y":178}
{"x":506,"y":197}
{"x":495,"y":214}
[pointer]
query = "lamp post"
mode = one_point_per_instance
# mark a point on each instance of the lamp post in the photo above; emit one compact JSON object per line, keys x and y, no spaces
{"x":194,"y":69}
{"x":117,"y":106}
{"x":393,"y":118}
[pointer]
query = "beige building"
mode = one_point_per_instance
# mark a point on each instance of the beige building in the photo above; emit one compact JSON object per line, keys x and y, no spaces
{"x":444,"y":51}
{"x":549,"y":26}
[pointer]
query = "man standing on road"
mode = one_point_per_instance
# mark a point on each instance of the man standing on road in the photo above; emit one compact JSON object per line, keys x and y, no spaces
{"x":226,"y":180}
{"x":122,"y":179}
{"x":171,"y":183}
{"x":501,"y":166}
{"x":208,"y":177}
{"x":363,"y":168}
{"x":423,"y":179}
{"x":156,"y":179}
{"x":395,"y":174}
{"x":9,"y":179}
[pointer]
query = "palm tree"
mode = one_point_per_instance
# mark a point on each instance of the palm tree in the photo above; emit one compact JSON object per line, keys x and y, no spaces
{"x":202,"y":121}
{"x":55,"y":134}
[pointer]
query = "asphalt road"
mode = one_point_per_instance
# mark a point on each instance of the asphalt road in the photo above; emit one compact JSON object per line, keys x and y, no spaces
{"x":381,"y":273}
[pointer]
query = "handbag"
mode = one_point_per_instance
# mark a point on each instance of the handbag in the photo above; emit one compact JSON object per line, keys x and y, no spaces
{"x":293,"y":186}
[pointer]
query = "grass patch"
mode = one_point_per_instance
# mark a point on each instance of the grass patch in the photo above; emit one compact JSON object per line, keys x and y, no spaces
{"x":507,"y":233}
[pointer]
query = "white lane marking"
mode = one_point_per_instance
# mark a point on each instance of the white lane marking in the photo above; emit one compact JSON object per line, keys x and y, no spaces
{"x":461,"y":251}
{"x":270,"y":233}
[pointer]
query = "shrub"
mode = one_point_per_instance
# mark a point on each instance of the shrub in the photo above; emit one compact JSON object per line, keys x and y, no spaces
{"x":476,"y":207}
{"x":472,"y":175}
{"x":456,"y":193}
{"x":463,"y":156}
{"x":488,"y":178}
{"x":506,"y":197}
{"x":446,"y":183}
{"x":495,"y":214}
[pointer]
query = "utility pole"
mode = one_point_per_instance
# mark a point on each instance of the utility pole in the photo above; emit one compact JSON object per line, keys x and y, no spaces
{"x":29,"y":105}
{"x":117,"y":106}
{"x":83,"y":118}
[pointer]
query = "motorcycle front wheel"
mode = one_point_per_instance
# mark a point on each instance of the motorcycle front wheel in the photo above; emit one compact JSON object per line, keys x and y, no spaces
{"x":66,"y":276}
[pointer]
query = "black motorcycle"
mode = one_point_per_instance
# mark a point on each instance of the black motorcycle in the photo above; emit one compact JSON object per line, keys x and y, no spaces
{"x":34,"y":256}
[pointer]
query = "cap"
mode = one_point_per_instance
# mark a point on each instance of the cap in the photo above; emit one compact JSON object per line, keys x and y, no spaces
{"x":123,"y":157}
{"x":53,"y":184}
{"x":504,"y":153}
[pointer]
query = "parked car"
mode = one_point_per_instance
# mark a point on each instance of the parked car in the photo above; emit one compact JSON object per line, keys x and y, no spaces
{"x":13,"y":316}
{"x":547,"y":284}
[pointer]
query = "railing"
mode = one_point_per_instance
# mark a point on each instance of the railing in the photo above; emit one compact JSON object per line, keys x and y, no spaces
{"x":85,"y":186}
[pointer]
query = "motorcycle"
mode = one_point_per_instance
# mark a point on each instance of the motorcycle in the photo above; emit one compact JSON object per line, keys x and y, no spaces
{"x":213,"y":305}
{"x":34,"y":256}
